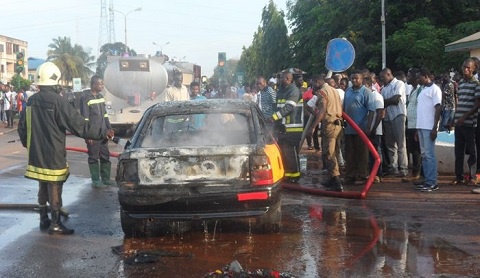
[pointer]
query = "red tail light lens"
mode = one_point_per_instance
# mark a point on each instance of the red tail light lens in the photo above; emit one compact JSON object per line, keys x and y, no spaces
{"x":261,"y":170}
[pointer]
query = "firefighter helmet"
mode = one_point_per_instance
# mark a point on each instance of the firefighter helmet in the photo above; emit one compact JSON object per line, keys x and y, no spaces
{"x":47,"y":74}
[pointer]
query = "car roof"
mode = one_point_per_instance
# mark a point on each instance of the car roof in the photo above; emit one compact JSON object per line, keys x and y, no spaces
{"x":207,"y":105}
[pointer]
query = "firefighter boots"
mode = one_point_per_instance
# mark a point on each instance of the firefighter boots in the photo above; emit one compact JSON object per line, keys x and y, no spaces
{"x":44,"y":220}
{"x":57,"y":227}
{"x":105,"y":169}
{"x":95,"y":175}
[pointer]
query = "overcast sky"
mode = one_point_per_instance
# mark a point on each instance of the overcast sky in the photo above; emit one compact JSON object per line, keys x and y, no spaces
{"x":195,"y":29}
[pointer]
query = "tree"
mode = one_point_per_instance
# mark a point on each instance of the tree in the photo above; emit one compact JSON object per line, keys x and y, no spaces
{"x":269,"y":52}
{"x":73,"y":61}
{"x":274,"y":43}
{"x":19,"y":82}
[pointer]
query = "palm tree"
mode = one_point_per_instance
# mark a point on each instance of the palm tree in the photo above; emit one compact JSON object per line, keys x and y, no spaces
{"x":73,"y":61}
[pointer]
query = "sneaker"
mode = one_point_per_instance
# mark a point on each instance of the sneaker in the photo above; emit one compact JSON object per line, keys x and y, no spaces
{"x":419,"y":186}
{"x":476,"y":190}
{"x":429,"y":188}
{"x":457,"y":182}
{"x":377,"y":179}
{"x":472,"y":182}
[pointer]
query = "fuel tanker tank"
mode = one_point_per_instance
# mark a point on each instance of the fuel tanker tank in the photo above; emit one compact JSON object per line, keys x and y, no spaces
{"x":131,"y":86}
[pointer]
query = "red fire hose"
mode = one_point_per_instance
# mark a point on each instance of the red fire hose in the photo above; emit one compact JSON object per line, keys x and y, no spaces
{"x":82,"y":150}
{"x":348,"y":194}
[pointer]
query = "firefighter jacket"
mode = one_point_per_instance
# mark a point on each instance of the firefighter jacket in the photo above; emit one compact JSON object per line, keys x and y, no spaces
{"x":42,"y":129}
{"x":289,"y":113}
{"x":92,"y":107}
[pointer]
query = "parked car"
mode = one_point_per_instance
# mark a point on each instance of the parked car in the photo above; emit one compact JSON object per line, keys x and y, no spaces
{"x":200,"y":160}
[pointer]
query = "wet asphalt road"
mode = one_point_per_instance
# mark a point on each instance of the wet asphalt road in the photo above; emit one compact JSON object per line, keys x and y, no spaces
{"x":395,"y":232}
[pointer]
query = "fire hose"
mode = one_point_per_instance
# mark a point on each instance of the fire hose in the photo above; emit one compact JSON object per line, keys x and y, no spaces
{"x":348,"y":194}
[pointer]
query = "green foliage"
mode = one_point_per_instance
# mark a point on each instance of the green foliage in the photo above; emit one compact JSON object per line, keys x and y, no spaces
{"x":73,"y":61}
{"x":269,"y":52}
{"x":19,"y":82}
{"x":416,"y":34}
{"x":223,"y":76}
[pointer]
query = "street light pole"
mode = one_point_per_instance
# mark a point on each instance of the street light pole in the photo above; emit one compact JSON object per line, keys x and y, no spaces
{"x":125,"y":21}
{"x":161,"y":46}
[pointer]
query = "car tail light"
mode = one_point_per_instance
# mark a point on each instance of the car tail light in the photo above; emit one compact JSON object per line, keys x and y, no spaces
{"x":127,"y":172}
{"x":261,"y":170}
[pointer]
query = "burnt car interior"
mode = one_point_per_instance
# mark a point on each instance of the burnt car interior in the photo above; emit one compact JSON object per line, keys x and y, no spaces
{"x":203,"y":129}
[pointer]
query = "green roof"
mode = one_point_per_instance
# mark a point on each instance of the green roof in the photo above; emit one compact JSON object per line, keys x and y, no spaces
{"x":466,"y":44}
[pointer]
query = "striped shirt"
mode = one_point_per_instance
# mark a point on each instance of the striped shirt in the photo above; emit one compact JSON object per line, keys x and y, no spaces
{"x":468,"y":91}
{"x":412,"y":108}
{"x":395,"y":87}
{"x":266,"y":100}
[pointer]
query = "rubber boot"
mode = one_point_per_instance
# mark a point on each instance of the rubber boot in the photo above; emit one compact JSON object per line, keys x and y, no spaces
{"x":57,"y":227}
{"x":105,"y":170}
{"x":95,"y":175}
{"x":44,"y":220}
{"x":55,"y":199}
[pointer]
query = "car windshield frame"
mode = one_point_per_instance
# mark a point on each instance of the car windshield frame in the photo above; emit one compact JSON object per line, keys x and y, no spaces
{"x":197,"y":129}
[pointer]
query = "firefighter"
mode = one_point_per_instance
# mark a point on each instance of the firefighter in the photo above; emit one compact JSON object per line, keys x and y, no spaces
{"x":42,"y":129}
{"x":92,"y":107}
{"x":288,"y":125}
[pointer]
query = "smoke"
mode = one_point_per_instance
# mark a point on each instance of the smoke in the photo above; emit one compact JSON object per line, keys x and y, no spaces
{"x":209,"y":129}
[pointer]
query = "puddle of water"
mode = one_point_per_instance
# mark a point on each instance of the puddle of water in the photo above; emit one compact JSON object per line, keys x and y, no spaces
{"x":315,"y":241}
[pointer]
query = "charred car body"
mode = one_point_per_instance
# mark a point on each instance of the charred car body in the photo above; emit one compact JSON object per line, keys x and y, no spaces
{"x":200,"y":160}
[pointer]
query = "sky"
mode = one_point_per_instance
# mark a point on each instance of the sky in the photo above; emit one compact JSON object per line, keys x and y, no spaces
{"x":186,"y":30}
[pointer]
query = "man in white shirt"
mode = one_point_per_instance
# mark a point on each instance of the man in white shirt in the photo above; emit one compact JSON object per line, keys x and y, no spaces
{"x":429,"y":107}
{"x":393,"y":93}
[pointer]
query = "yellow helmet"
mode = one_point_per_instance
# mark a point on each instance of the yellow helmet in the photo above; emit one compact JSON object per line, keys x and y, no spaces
{"x":47,"y":74}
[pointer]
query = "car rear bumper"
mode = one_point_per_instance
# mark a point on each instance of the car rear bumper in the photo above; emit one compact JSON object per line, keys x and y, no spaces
{"x":147,"y":203}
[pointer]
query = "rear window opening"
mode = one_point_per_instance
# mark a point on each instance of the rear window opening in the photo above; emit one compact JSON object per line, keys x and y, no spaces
{"x":202,"y":129}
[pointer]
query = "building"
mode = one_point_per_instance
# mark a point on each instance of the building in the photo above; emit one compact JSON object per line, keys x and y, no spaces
{"x":470,"y":43}
{"x":9,"y":47}
{"x":33,"y":64}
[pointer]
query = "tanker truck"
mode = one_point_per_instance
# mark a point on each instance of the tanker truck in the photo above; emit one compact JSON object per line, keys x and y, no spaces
{"x":132,"y":85}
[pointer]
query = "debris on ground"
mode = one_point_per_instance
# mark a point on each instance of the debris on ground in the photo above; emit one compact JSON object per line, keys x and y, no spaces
{"x":235,"y":270}
{"x":150,"y":256}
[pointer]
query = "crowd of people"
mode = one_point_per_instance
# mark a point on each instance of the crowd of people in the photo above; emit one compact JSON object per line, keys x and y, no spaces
{"x":400,"y":113}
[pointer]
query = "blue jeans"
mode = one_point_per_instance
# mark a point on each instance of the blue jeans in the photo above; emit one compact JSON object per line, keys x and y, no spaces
{"x":429,"y":159}
{"x":447,"y":115}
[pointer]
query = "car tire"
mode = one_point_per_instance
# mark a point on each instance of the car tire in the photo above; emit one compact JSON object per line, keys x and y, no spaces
{"x":132,"y":227}
{"x":270,"y":222}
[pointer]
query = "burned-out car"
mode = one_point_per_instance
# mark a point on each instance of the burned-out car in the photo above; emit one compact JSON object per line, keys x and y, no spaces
{"x":200,"y":160}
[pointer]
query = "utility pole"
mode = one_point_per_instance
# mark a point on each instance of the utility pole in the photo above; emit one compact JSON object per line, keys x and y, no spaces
{"x":384,"y":47}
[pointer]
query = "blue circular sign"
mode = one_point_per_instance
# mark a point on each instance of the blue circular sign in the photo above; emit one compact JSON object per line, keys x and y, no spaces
{"x":340,"y":55}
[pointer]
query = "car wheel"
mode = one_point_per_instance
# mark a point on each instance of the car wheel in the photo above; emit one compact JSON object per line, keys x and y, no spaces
{"x":132,"y":227}
{"x":271,"y":221}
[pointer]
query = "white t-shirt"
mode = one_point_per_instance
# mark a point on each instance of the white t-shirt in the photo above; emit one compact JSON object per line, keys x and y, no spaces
{"x":379,"y":104}
{"x":426,"y":101}
{"x":341,"y":93}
